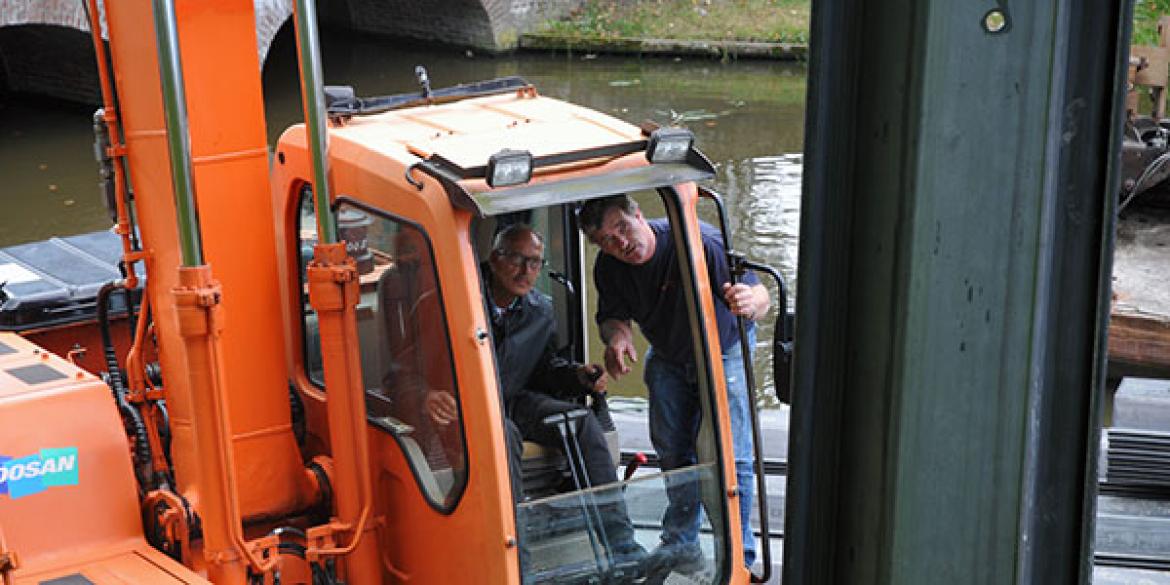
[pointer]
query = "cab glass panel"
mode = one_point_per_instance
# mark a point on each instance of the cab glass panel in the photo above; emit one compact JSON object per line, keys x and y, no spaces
{"x":581,"y":523}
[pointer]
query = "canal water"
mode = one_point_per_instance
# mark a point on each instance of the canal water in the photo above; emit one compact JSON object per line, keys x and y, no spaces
{"x":748,"y":118}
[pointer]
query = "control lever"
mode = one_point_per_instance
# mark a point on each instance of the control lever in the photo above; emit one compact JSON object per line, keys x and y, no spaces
{"x":637,"y":461}
{"x":566,"y":425}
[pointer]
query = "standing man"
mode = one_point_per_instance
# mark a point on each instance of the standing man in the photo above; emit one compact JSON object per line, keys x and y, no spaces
{"x":638,"y":281}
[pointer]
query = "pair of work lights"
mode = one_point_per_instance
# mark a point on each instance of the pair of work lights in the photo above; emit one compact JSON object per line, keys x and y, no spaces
{"x":514,"y":167}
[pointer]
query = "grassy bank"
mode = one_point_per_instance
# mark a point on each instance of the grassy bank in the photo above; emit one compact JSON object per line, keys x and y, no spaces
{"x":778,"y":21}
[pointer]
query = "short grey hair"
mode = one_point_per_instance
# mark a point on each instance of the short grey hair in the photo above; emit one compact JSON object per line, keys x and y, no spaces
{"x":512,"y":234}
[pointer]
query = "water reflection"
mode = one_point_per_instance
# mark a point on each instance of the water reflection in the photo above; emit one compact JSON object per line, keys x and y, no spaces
{"x":763,"y":200}
{"x":48,"y":175}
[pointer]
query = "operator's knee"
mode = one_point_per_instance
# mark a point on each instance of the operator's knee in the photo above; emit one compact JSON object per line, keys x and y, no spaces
{"x":590,"y":431}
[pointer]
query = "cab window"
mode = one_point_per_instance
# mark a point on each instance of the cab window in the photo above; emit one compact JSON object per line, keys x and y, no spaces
{"x":407,"y":368}
{"x":407,"y":371}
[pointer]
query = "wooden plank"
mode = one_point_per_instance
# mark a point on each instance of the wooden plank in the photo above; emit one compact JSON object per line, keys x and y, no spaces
{"x":1139,"y":339}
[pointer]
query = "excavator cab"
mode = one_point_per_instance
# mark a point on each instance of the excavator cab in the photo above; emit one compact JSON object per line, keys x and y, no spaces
{"x":420,"y":190}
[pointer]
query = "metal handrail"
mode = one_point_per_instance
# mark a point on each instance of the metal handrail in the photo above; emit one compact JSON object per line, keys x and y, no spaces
{"x":736,"y":265}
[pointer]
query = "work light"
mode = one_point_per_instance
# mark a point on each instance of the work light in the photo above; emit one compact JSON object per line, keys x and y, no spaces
{"x":509,"y":167}
{"x":669,"y":145}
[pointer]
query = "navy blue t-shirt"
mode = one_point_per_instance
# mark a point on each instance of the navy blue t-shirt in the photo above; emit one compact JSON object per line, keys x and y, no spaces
{"x":651,"y":294}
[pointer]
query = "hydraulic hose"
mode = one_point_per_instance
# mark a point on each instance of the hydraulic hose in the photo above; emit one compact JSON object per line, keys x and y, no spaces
{"x":117,"y":384}
{"x":103,"y":301}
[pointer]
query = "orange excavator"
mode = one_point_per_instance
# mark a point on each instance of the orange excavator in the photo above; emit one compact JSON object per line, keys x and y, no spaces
{"x":240,"y":404}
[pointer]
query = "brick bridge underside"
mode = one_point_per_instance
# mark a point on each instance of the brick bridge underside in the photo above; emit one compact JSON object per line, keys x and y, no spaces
{"x":45,"y":47}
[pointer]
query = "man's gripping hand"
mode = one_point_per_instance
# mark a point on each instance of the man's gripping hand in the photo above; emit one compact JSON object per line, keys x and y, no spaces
{"x":750,"y":301}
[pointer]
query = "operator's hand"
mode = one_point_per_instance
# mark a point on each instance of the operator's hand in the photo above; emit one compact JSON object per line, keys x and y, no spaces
{"x":741,"y":299}
{"x":616,"y":352}
{"x":441,"y":407}
{"x":592,"y":376}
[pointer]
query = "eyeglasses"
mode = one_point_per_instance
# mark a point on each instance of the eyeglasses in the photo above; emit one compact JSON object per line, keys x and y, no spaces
{"x":517,"y":259}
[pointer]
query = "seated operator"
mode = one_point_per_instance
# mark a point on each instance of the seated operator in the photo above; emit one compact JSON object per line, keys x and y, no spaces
{"x":532,"y":377}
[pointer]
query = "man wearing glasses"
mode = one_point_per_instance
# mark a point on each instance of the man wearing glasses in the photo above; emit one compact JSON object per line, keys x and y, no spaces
{"x":535,"y":382}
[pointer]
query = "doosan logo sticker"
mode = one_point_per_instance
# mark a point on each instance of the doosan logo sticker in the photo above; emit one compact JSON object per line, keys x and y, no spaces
{"x":32,"y":474}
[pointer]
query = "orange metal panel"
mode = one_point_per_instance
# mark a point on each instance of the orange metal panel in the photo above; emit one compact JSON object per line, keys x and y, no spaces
{"x":119,"y":566}
{"x":67,"y":491}
{"x":86,"y":337}
{"x":481,"y":528}
{"x":467,"y":132}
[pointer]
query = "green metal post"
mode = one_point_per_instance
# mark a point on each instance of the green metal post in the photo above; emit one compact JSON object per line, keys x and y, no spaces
{"x":956,"y":245}
{"x":178,"y":138}
{"x":313,"y":99}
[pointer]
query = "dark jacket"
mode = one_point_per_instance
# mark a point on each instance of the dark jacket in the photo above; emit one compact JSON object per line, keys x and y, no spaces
{"x":525,"y":344}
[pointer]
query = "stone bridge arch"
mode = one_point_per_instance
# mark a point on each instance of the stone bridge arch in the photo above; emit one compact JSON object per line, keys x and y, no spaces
{"x":45,"y":49}
{"x":489,"y":25}
{"x":45,"y":46}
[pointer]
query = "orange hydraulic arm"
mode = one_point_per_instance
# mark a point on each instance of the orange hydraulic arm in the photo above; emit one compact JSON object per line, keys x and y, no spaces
{"x":333,"y":292}
{"x":217,"y":49}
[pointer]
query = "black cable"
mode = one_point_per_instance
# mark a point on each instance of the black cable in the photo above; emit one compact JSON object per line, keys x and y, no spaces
{"x":130,"y":415}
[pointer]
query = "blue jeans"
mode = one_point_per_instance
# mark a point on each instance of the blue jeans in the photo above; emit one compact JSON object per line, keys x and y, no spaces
{"x":674,"y":428}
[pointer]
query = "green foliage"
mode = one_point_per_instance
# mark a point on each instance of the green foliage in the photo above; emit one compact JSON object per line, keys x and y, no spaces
{"x":1145,"y":20}
{"x":784,"y":21}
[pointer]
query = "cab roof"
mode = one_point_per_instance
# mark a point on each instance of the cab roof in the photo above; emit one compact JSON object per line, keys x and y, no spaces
{"x":467,"y":132}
